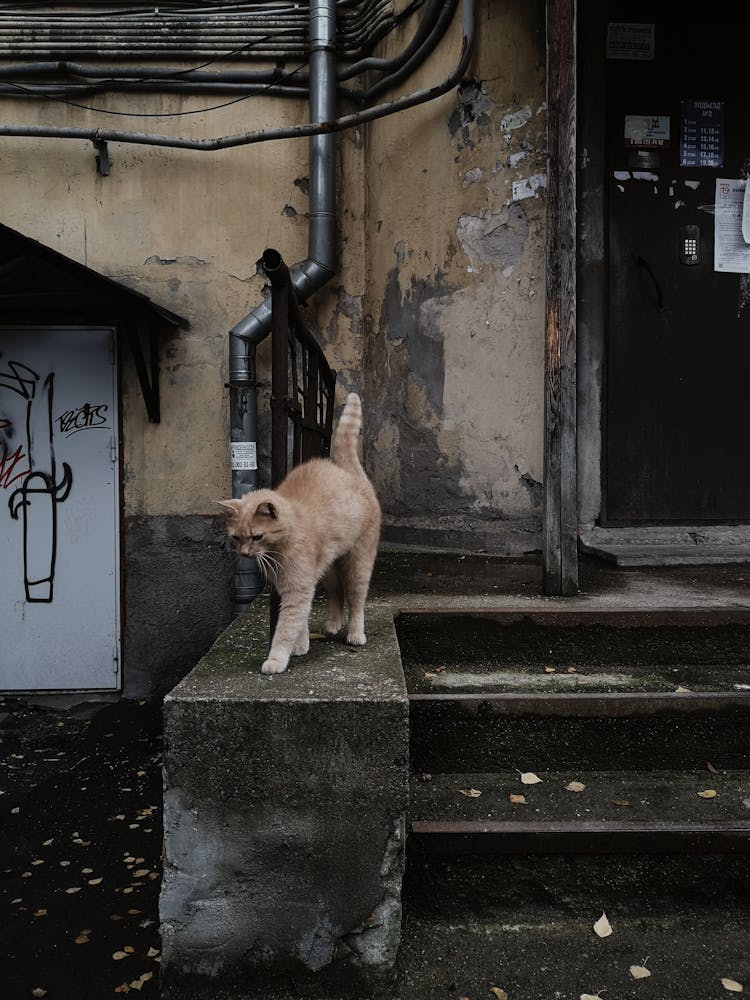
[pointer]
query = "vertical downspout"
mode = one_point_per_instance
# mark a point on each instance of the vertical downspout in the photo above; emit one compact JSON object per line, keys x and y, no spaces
{"x":307,"y":278}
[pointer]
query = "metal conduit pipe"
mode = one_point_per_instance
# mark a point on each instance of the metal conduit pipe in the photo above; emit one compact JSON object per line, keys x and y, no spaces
{"x":307,"y":277}
{"x":276,"y":82}
{"x":77,"y":90}
{"x":424,"y":27}
{"x":266,"y":135}
{"x":416,"y":58}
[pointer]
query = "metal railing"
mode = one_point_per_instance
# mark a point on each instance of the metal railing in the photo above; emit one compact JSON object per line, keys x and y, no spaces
{"x":303,"y":385}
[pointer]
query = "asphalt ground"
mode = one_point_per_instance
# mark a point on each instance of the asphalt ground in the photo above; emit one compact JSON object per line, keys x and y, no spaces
{"x":80,"y":852}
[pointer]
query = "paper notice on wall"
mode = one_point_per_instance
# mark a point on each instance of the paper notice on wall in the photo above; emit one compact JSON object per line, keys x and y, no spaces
{"x":731,"y":252}
{"x":630,"y":41}
{"x":243,"y":455}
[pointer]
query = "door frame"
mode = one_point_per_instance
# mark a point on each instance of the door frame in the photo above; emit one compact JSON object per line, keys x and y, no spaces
{"x":560,"y":508}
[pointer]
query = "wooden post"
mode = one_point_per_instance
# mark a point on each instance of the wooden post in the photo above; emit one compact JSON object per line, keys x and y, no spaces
{"x":560,"y":526}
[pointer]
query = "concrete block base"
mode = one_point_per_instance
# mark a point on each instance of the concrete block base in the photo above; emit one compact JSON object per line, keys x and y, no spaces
{"x":285,"y":798}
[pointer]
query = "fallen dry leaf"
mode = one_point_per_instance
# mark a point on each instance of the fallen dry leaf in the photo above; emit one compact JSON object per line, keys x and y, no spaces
{"x":471,"y":793}
{"x":122,"y":988}
{"x":575,"y":786}
{"x":40,"y":913}
{"x":94,"y":881}
{"x":152,"y":952}
{"x":708,"y":793}
{"x":529,"y":778}
{"x":603,"y":927}
{"x":732,"y":985}
{"x":129,"y":949}
{"x":500,"y":994}
{"x":82,"y":939}
{"x":549,"y":670}
{"x":682,"y":690}
{"x":639,"y":972}
{"x":73,"y":888}
{"x":516,"y":798}
{"x":572,"y":670}
{"x":592,"y":996}
{"x":119,"y":955}
{"x":38,"y":992}
{"x":619,"y":802}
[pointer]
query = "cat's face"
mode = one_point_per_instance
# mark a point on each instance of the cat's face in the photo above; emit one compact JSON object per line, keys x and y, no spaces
{"x":253,"y":525}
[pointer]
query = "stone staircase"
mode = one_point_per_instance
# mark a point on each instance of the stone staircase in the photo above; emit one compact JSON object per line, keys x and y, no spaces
{"x":579,"y":817}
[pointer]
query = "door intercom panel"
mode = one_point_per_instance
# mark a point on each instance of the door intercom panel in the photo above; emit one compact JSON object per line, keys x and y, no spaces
{"x":689,"y":245}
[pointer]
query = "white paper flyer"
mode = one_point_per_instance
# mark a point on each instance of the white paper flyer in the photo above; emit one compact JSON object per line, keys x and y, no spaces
{"x":731,"y":252}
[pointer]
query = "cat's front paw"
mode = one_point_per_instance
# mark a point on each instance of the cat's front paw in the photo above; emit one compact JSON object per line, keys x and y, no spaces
{"x":356,"y":638}
{"x":272,"y":666}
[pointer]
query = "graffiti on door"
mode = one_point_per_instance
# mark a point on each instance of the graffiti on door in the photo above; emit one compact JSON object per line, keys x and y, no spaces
{"x":32,"y":465}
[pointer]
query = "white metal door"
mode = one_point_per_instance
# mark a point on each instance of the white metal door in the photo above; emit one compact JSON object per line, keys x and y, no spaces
{"x":59,"y":510}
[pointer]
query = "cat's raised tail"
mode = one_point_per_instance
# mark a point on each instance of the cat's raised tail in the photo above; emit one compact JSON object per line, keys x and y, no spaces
{"x":346,"y":436}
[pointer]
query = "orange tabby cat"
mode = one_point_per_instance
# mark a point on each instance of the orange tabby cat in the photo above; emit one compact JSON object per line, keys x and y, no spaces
{"x":321,"y":523}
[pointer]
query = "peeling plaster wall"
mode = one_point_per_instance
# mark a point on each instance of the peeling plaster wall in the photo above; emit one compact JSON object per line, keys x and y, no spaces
{"x":436,"y":314}
{"x":186,"y":229}
{"x":455,"y":300}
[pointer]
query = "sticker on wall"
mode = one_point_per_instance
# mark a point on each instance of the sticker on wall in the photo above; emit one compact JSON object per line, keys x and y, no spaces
{"x":243,"y":455}
{"x":731,"y":252}
{"x":702,"y":134}
{"x":630,"y":41}
{"x":647,"y":131}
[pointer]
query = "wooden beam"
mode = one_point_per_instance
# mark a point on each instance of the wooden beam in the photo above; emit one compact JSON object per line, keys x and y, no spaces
{"x":560,"y":527}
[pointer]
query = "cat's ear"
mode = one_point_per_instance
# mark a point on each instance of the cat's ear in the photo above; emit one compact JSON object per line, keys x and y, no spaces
{"x":231,"y":507}
{"x":267,"y":509}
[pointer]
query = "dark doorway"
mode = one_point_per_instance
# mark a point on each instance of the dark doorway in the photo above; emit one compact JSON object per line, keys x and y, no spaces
{"x":677,"y":330}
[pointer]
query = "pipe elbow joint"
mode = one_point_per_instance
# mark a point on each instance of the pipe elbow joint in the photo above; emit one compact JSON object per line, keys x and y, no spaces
{"x":310,"y":276}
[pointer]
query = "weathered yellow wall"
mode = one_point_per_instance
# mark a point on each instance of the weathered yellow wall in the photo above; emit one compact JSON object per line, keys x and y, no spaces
{"x":436,"y":314}
{"x":456,"y":288}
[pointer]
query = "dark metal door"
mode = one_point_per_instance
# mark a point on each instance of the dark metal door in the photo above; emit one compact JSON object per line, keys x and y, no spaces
{"x":675,"y":437}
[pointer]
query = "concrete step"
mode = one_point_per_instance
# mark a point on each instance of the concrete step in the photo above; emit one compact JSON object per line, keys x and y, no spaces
{"x":525,"y":925}
{"x":577,"y":688}
{"x":476,"y":734}
{"x":558,"y":651}
{"x":580,"y":812}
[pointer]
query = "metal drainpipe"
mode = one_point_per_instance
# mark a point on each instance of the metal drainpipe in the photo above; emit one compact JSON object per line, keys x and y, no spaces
{"x":307,"y":278}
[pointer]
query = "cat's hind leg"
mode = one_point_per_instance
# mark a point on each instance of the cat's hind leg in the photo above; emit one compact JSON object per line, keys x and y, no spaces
{"x":334,"y":588}
{"x":359,"y":566}
{"x":302,"y":642}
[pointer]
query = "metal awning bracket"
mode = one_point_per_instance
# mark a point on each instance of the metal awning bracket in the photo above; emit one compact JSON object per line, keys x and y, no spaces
{"x":102,"y":156}
{"x":138,"y":332}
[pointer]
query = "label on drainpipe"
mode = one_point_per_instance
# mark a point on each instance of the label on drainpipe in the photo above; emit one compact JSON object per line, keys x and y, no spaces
{"x":244,"y":455}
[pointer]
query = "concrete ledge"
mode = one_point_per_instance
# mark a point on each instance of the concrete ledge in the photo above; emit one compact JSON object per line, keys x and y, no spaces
{"x":285,"y":799}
